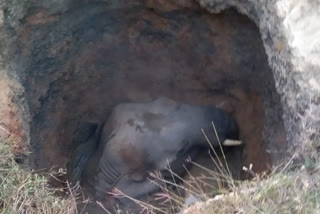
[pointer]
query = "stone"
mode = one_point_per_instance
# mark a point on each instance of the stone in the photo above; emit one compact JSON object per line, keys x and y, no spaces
{"x":290,"y":31}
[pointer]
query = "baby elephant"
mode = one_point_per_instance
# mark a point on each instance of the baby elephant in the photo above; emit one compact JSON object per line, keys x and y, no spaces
{"x":139,"y":138}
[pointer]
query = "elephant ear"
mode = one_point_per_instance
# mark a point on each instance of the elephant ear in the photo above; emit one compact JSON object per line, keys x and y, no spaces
{"x":85,"y":139}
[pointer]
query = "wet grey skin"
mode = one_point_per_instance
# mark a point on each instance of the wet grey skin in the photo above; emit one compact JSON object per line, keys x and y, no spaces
{"x":140,"y":138}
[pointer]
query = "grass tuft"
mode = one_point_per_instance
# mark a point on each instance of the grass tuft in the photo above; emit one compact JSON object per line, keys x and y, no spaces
{"x":290,"y":188}
{"x":285,"y":192}
{"x":22,"y":191}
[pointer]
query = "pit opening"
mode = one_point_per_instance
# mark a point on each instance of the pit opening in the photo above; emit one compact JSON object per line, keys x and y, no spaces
{"x":86,"y":60}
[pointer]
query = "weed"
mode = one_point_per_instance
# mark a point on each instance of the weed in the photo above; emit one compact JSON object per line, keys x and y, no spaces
{"x":22,"y":191}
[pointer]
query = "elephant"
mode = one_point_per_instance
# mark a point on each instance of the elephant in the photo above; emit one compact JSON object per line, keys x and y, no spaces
{"x":139,"y":138}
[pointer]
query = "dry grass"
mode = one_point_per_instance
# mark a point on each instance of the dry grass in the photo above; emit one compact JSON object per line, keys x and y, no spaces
{"x":22,"y":191}
{"x":285,"y":191}
{"x":289,"y":189}
{"x":296,"y":191}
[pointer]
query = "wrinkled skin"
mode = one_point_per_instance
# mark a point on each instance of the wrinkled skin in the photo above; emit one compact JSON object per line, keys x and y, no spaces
{"x":139,"y":138}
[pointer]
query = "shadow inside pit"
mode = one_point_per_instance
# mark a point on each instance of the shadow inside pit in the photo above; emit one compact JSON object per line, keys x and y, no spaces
{"x":207,"y":176}
{"x":83,"y":62}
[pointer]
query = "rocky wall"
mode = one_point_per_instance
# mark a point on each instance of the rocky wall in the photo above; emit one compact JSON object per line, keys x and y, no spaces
{"x":47,"y":57}
{"x":290,"y":31}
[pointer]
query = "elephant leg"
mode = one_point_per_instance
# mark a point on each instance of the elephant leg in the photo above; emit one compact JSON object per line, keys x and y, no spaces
{"x":137,"y":189}
{"x":132,"y":190}
{"x":106,"y":179}
{"x":180,"y":165}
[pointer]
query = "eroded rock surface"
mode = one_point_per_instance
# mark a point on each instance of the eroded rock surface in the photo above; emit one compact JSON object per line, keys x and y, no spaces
{"x":290,"y":31}
{"x":76,"y":60}
{"x":65,"y":62}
